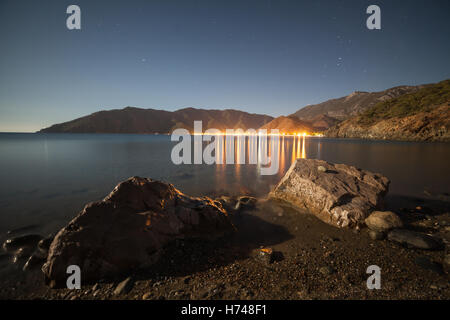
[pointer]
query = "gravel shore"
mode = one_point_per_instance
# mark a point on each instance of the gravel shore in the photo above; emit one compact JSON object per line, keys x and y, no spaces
{"x":309,"y":260}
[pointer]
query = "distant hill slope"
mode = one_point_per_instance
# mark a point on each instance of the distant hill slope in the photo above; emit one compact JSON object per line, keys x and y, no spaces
{"x":423,"y":115}
{"x":137,"y":120}
{"x":351,"y":105}
{"x":322,"y":122}
{"x":288,"y":125}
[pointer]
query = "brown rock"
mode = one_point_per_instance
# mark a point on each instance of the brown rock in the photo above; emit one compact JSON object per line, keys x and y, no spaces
{"x":127,"y":229}
{"x":266,"y":255}
{"x":383,"y":221}
{"x":342,"y":195}
{"x":147,"y":296}
{"x":124,"y":287}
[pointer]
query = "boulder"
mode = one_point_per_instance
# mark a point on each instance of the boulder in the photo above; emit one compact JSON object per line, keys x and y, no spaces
{"x":383,"y":221}
{"x":414,"y":239}
{"x":341,"y":195}
{"x":127,"y":229}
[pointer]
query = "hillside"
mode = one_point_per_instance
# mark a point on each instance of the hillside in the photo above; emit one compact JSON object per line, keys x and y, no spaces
{"x":351,"y":105}
{"x":288,"y":125}
{"x":137,"y":120}
{"x":423,"y":115}
{"x":322,"y":122}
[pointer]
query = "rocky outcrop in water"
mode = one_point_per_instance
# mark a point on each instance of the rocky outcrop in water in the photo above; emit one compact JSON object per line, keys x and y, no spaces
{"x":338,"y":194}
{"x":128,"y":229}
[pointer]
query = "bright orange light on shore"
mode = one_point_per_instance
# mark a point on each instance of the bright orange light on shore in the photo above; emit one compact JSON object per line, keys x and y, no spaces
{"x":294,"y":134}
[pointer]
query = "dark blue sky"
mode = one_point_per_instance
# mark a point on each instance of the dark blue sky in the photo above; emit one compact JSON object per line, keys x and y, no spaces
{"x":259,"y":56}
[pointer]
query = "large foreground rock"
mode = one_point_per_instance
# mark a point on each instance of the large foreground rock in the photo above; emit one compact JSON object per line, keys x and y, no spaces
{"x":127,"y":229}
{"x":338,"y":194}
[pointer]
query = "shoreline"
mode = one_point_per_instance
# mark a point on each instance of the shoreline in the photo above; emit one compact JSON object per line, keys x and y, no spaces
{"x":318,"y":261}
{"x":290,"y":136}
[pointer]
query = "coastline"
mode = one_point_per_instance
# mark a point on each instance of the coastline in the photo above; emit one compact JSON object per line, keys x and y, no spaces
{"x":309,"y":259}
{"x":318,"y":261}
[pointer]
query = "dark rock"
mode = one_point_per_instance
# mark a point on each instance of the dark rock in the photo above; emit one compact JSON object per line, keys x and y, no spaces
{"x":413,"y":239}
{"x":344,"y":196}
{"x":44,"y":244}
{"x":128,"y":229}
{"x":187,"y":279}
{"x":426,"y":263}
{"x":29,"y":240}
{"x":227,"y":203}
{"x":245,"y":202}
{"x":34,"y":262}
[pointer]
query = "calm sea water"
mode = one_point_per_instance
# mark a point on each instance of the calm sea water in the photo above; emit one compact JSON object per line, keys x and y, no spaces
{"x":47,"y":178}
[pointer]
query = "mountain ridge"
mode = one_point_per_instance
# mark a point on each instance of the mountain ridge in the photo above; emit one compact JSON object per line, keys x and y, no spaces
{"x":140,"y":120}
{"x":352,"y":104}
{"x":334,"y":117}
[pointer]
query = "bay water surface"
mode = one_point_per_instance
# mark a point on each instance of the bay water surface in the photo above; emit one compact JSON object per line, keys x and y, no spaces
{"x":47,"y":178}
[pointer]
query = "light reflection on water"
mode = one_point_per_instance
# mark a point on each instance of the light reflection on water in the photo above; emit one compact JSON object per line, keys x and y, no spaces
{"x":47,"y":178}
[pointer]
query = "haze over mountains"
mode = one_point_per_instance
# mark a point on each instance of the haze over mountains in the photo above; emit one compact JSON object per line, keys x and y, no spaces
{"x":339,"y":117}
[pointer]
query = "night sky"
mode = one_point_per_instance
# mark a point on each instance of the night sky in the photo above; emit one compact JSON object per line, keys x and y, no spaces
{"x":261,"y":56}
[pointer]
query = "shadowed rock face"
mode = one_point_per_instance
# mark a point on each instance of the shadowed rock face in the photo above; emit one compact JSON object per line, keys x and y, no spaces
{"x":338,"y":194}
{"x":127,"y":229}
